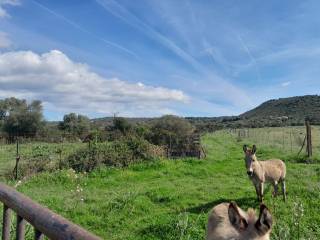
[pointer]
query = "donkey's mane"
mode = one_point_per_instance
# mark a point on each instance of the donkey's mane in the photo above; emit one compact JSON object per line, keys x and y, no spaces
{"x":251,"y":216}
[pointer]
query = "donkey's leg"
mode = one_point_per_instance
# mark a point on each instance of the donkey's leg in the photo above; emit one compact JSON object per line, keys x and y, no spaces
{"x":256,"y":186}
{"x":261,"y":191}
{"x":275,"y":189}
{"x":283,"y":183}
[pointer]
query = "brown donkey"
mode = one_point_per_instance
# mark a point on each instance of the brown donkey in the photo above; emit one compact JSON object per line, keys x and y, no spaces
{"x":229,"y":222}
{"x":273,"y":171}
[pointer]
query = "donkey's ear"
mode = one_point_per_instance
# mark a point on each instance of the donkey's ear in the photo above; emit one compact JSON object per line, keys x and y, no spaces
{"x":264,"y":223}
{"x":254,"y":149}
{"x":237,"y":221}
{"x":245,"y":148}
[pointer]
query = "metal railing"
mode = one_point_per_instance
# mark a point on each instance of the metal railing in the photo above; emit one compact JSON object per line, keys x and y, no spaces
{"x":45,"y":222}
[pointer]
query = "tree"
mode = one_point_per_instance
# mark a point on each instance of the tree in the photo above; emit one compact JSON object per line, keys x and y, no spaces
{"x":170,"y":130}
{"x":121,"y":124}
{"x":20,"y":118}
{"x":75,"y":125}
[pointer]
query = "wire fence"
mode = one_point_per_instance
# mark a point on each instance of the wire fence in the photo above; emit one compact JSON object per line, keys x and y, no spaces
{"x":289,"y":139}
{"x":25,"y":151}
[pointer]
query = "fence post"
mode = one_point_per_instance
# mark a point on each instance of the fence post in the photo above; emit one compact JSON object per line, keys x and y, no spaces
{"x":21,"y":225}
{"x":309,"y":141}
{"x":6,"y":221}
{"x":17,"y":160}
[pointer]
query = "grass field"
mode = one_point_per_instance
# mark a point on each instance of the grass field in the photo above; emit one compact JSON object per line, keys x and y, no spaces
{"x":170,"y":199}
{"x":53,"y":151}
{"x":288,"y":139}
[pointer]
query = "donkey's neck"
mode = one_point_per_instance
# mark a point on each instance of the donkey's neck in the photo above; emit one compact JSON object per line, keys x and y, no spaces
{"x":259,"y":171}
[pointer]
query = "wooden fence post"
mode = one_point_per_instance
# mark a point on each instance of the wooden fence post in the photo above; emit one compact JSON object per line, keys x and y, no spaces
{"x":309,"y":141}
{"x":17,"y":160}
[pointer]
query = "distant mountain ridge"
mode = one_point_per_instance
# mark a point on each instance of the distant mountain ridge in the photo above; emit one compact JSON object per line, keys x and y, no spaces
{"x":289,"y":111}
{"x":272,"y":113}
{"x":298,"y":108}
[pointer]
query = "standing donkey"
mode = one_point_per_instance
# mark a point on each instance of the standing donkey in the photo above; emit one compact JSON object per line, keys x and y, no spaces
{"x":273,"y":171}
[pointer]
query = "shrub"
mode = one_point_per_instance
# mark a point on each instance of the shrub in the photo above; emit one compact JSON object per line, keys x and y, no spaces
{"x":170,"y":130}
{"x":40,"y":160}
{"x":119,"y":153}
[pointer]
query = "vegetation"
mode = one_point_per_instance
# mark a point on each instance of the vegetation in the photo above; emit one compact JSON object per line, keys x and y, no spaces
{"x":31,"y":156}
{"x":75,"y":125}
{"x":171,"y":199}
{"x":169,"y":130}
{"x":274,"y":113}
{"x":292,"y":109}
{"x":116,"y":183}
{"x":288,"y":139}
{"x":18,"y":118}
{"x":119,"y":153}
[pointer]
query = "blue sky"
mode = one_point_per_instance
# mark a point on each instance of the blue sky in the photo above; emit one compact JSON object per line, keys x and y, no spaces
{"x":149,"y":57}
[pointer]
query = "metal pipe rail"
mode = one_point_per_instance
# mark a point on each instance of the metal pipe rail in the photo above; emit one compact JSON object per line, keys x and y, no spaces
{"x":45,"y":222}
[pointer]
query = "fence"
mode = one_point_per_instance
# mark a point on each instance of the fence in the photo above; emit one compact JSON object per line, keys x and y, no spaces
{"x":289,"y":139}
{"x":45,"y":222}
{"x":49,"y":154}
{"x":189,"y":147}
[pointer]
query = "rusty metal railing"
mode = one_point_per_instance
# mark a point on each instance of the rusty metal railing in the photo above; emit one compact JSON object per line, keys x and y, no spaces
{"x":45,"y":222}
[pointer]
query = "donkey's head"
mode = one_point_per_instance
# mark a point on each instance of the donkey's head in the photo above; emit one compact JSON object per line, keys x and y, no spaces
{"x":247,"y":223}
{"x":250,"y":158}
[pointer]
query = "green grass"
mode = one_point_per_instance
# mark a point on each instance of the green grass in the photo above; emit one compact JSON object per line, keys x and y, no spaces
{"x":26,"y":150}
{"x":288,"y":139}
{"x":170,"y":199}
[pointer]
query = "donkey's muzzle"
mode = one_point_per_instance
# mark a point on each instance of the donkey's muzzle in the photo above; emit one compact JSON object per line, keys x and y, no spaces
{"x":250,"y":173}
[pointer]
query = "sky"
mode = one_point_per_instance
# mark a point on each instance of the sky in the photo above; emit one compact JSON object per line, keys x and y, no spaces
{"x":147,"y":58}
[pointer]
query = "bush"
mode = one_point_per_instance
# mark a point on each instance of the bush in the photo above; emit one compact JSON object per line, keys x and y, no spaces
{"x":119,"y":153}
{"x":170,"y":130}
{"x":40,"y":160}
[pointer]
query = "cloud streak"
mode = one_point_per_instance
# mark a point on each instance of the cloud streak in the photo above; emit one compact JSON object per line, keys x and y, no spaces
{"x":122,"y":13}
{"x":208,"y":76}
{"x":246,"y":48}
{"x":3,"y":3}
{"x":77,"y":26}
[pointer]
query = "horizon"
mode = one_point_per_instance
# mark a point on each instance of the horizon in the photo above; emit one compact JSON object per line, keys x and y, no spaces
{"x":150,"y":58}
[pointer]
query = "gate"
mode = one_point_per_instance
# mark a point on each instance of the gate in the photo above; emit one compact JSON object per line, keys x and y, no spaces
{"x":44,"y":221}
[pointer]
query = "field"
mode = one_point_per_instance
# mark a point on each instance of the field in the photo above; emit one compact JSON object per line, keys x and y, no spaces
{"x":170,"y":199}
{"x":289,"y":139}
{"x":54,"y":151}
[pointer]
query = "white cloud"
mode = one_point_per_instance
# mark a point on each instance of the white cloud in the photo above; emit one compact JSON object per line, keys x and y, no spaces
{"x":5,"y":42}
{"x":3,"y":12}
{"x":285,"y":84}
{"x":65,"y":86}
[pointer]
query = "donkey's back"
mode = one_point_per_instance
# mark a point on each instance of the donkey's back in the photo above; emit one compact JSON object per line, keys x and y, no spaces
{"x":274,"y":170}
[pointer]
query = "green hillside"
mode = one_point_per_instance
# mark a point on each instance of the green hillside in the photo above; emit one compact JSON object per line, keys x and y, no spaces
{"x":290,"y":111}
{"x":280,"y":112}
{"x":295,"y":109}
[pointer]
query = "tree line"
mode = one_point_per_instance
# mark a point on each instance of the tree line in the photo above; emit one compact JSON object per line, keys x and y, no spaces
{"x":19,"y":118}
{"x":22,"y":119}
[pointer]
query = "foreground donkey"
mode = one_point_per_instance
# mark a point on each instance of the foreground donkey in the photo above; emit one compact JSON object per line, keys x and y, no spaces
{"x":227,"y":221}
{"x":273,"y":170}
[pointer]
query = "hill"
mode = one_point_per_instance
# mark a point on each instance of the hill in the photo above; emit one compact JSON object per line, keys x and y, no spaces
{"x":290,"y":111}
{"x":294,"y":108}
